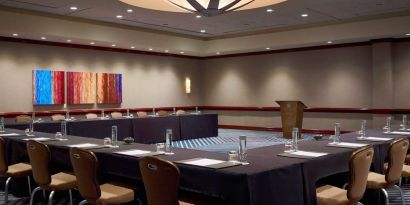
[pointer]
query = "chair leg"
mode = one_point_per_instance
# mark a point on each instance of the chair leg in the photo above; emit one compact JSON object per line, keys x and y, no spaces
{"x":401,"y":194}
{"x":71,"y":196}
{"x":6,"y":190}
{"x":345,"y":185}
{"x":386,"y":196}
{"x":83,"y":202}
{"x":32,"y":194}
{"x":50,"y":198}
{"x":29,"y":184}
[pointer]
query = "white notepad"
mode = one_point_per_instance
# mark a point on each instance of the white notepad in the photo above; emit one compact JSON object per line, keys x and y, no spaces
{"x":309,"y":154}
{"x":9,"y":135}
{"x":375,"y":139}
{"x":38,"y":139}
{"x":84,"y":145}
{"x":204,"y":162}
{"x":347,"y":144}
{"x":133,"y":152}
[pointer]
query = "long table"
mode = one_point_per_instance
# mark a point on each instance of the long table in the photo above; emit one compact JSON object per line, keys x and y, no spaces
{"x":142,"y":129}
{"x":268,"y":179}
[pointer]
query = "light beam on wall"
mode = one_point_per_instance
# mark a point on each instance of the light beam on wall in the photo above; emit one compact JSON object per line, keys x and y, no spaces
{"x":187,"y":85}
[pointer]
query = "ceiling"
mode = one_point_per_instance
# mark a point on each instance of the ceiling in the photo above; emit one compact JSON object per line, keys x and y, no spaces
{"x":286,"y":15}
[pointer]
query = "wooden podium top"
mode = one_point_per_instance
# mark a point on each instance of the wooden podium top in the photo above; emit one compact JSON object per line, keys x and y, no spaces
{"x":291,"y":101}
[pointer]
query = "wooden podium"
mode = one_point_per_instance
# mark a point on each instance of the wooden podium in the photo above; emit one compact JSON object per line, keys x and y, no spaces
{"x":292,"y":116}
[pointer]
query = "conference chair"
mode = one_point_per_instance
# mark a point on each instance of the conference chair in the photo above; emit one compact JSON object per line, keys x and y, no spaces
{"x":23,"y":118}
{"x":180,"y":112}
{"x":142,"y":114}
{"x":57,"y":117}
{"x":12,"y":171}
{"x":162,"y":113}
{"x":396,"y":156}
{"x":161,"y":181}
{"x":85,"y":166}
{"x":39,"y":155}
{"x":116,"y":115}
{"x":91,"y":116}
{"x":359,"y":166}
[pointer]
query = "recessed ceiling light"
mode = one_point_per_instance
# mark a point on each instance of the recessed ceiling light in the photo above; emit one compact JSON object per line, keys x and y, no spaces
{"x":92,"y":43}
{"x":43,"y":38}
{"x":407,"y":34}
{"x":166,"y":51}
{"x":15,"y":34}
{"x":269,"y":10}
{"x":217,"y":53}
{"x":198,"y":16}
{"x":129,"y":10}
{"x":68,"y":40}
{"x":329,"y":42}
{"x":203,"y":30}
{"x":304,"y":15}
{"x":132,"y":47}
{"x":113,"y":45}
{"x":150,"y":49}
{"x":119,"y":16}
{"x":73,"y":8}
{"x":267,"y":48}
{"x":182,"y":52}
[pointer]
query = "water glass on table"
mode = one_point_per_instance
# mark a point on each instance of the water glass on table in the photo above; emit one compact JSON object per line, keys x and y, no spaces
{"x":288,"y":146}
{"x":58,"y":136}
{"x":232,"y":156}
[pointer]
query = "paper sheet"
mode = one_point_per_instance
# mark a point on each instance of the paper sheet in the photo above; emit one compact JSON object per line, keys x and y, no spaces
{"x":377,"y":139}
{"x":399,"y":133}
{"x":9,"y":134}
{"x":84,"y":145}
{"x":38,"y":139}
{"x":133,"y":152}
{"x":204,"y":162}
{"x":348,"y":144}
{"x":309,"y":154}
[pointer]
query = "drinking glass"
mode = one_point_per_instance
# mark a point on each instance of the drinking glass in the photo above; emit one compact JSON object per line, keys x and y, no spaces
{"x":233,"y":156}
{"x":114,"y":134}
{"x":58,"y":136}
{"x":288,"y":146}
{"x":363,"y":130}
{"x":107,"y":141}
{"x":242,"y":149}
{"x":295,"y":137}
{"x":404,"y":123}
{"x":2,"y":129}
{"x":63,"y":128}
{"x":336,"y":138}
{"x":168,"y":141}
{"x":160,"y":147}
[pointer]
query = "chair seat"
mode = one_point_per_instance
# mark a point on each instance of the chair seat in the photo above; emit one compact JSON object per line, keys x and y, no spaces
{"x":114,"y":193}
{"x":62,"y":181}
{"x":376,"y":181}
{"x":406,"y":171}
{"x":330,"y":195}
{"x":185,"y":203}
{"x":19,"y":170}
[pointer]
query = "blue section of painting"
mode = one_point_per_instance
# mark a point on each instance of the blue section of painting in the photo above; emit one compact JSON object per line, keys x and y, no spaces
{"x":43,"y":87}
{"x":119,"y":88}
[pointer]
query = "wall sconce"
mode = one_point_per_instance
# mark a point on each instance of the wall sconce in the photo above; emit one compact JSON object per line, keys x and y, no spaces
{"x":187,"y":85}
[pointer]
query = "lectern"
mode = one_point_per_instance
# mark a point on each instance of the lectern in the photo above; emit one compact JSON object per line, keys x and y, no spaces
{"x":292,"y":116}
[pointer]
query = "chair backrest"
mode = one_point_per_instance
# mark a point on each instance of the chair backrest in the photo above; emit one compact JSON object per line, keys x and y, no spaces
{"x":57,"y":117}
{"x":116,"y":115}
{"x":3,"y":164}
{"x":162,"y":113}
{"x":359,"y":164}
{"x":39,"y":155}
{"x":397,"y":155}
{"x":142,"y":114}
{"x":85,"y":168}
{"x":180,"y":112}
{"x":91,"y":116}
{"x":23,"y":118}
{"x":161,"y":181}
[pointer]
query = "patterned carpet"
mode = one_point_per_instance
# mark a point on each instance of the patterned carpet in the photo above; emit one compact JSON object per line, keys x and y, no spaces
{"x":226,"y":141}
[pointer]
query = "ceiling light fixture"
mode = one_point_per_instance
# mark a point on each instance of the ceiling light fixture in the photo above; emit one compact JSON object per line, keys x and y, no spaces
{"x":150,"y":49}
{"x":92,"y":43}
{"x":203,"y":30}
{"x":198,"y":16}
{"x":217,"y":53}
{"x":15,"y":34}
{"x":132,"y":47}
{"x":113,"y":45}
{"x":269,"y":10}
{"x":129,"y":10}
{"x":166,"y":51}
{"x":73,"y":8}
{"x":119,"y":16}
{"x":43,"y":38}
{"x":407,"y":34}
{"x":182,"y":52}
{"x":68,"y":40}
{"x":329,"y":42}
{"x":267,"y":48}
{"x":201,"y":7}
{"x":304,"y":15}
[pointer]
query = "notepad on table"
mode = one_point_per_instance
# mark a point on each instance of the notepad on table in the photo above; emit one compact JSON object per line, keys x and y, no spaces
{"x":138,"y":153}
{"x":9,"y":135}
{"x":210,"y":163}
{"x":84,"y":145}
{"x":39,"y":139}
{"x":376,"y":139}
{"x":398,"y":133}
{"x":346,"y":145}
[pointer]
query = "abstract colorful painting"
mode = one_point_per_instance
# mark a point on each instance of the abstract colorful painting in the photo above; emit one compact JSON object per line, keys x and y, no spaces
{"x":81,"y":88}
{"x":109,"y":88}
{"x":48,"y":87}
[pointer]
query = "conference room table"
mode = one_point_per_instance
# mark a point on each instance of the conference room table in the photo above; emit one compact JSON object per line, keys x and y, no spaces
{"x":268,"y":179}
{"x":150,"y":129}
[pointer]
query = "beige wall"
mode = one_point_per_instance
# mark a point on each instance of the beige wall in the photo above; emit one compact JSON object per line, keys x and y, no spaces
{"x":401,"y":55}
{"x":147,"y":80}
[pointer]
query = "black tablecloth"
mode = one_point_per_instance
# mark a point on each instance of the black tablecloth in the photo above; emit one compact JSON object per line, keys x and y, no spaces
{"x":46,"y":126}
{"x":100,"y":129}
{"x":152,"y":129}
{"x":199,"y":126}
